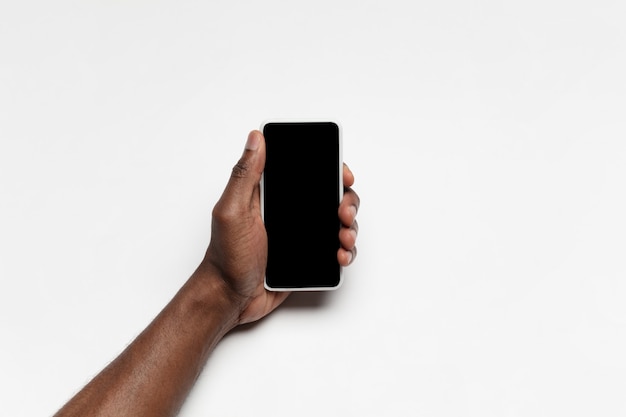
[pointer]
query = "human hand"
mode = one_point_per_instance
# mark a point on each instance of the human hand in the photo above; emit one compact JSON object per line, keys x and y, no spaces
{"x":154,"y":374}
{"x":348,"y":208}
{"x":238,"y":248}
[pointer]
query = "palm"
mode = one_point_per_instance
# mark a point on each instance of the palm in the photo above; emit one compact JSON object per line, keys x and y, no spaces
{"x":239,"y":250}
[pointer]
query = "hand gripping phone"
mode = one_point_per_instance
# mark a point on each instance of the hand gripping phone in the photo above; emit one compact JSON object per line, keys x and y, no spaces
{"x":301,"y":188}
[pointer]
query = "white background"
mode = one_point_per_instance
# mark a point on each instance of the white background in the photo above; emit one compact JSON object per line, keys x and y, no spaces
{"x":488,"y":141}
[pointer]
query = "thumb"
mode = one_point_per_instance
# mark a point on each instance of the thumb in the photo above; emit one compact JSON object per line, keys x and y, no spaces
{"x":246,"y":174}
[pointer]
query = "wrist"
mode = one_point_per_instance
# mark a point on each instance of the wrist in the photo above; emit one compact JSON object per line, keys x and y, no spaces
{"x":211,"y":295}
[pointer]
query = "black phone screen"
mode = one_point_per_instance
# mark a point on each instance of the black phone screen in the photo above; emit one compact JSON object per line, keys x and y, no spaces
{"x":301,"y":198}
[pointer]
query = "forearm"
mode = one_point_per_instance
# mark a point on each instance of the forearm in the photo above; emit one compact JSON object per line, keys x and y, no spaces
{"x":154,"y":374}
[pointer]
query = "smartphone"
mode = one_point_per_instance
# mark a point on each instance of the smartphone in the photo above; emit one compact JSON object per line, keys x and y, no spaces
{"x":301,"y":188}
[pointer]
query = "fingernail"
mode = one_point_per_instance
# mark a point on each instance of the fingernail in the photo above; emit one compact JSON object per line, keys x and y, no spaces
{"x":253,"y":142}
{"x":352,"y":212}
{"x":349,"y":256}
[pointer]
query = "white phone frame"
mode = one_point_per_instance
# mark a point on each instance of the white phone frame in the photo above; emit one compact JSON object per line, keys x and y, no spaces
{"x":340,"y":188}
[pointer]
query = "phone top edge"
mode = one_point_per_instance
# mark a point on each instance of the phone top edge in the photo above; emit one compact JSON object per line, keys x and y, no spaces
{"x":301,"y":120}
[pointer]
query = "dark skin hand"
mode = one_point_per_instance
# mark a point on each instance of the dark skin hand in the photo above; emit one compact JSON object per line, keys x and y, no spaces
{"x":154,"y":374}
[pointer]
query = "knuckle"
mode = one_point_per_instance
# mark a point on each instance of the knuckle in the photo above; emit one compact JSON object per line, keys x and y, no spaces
{"x":240,"y":170}
{"x":225,"y":213}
